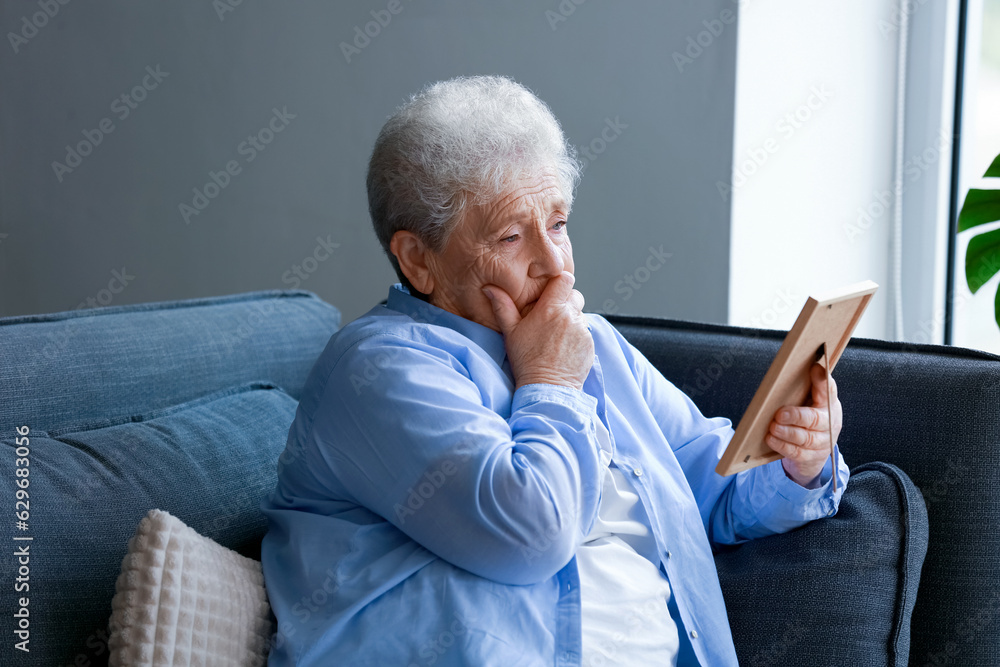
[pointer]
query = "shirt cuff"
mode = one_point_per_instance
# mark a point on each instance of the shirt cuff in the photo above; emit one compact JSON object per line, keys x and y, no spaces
{"x":813,"y":503}
{"x":576,"y":400}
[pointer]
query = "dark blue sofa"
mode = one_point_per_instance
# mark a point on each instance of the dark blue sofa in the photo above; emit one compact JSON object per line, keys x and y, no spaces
{"x":184,"y":406}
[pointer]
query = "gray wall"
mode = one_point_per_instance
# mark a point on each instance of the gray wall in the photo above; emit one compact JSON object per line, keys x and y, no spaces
{"x":119,"y":207}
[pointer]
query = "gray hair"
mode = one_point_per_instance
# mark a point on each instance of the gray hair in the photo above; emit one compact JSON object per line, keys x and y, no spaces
{"x":457,"y":144}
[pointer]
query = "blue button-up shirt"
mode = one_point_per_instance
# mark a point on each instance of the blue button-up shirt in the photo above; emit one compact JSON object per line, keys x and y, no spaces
{"x":426,"y":513}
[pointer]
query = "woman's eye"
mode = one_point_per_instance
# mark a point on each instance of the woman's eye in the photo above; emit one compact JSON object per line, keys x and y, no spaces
{"x":509,"y":239}
{"x":559,"y":225}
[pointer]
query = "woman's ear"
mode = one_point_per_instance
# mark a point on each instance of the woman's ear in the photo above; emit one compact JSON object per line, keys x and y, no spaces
{"x":412,"y":254}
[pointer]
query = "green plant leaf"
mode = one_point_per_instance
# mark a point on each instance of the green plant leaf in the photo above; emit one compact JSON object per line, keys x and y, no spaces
{"x":981,"y":206}
{"x":994,"y":169}
{"x":982,"y":259}
{"x":996,"y":307}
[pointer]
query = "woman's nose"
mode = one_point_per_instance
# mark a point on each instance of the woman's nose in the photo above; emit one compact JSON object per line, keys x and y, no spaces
{"x":548,"y":259}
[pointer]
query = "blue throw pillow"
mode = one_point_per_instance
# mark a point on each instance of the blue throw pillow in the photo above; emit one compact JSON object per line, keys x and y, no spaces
{"x":208,"y":462}
{"x":847,"y":583}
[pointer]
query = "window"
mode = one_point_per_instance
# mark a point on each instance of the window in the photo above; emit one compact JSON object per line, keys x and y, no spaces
{"x":973,"y":320}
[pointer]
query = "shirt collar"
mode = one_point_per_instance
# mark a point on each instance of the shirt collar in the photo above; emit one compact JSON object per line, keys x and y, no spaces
{"x":489,"y":340}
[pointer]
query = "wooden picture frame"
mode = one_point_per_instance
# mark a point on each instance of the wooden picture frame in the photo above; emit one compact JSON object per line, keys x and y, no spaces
{"x":822,"y":330}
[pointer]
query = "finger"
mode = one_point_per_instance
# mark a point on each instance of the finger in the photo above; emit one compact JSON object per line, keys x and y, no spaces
{"x":558,"y":290}
{"x":577,"y":301}
{"x":786,"y":449}
{"x":504,"y":309}
{"x":814,"y":419}
{"x":799,"y":437}
{"x":820,"y":392}
{"x":794,"y":452}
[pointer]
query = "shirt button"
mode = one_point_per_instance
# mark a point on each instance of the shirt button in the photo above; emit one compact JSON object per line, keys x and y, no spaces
{"x":638,"y":472}
{"x":830,"y":513}
{"x":694,"y":634}
{"x":669,"y":554}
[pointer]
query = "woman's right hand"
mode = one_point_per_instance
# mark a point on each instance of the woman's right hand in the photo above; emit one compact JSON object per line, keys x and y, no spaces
{"x":551,"y":343}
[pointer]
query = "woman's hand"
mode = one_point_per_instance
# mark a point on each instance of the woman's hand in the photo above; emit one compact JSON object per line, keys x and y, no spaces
{"x":802,"y":434}
{"x":550,"y":343}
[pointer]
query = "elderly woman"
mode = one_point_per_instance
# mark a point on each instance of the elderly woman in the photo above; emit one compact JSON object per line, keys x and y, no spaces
{"x":481,"y":474}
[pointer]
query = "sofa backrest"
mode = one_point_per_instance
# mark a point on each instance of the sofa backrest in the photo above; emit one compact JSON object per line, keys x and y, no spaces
{"x":65,"y":368}
{"x":180,"y":406}
{"x":933,"y":411}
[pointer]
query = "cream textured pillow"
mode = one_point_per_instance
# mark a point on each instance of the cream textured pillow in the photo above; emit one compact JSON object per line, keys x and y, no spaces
{"x":182,"y":599}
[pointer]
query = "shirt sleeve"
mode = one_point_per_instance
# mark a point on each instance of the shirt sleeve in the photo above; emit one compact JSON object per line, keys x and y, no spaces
{"x":753,"y":503}
{"x":503,"y":491}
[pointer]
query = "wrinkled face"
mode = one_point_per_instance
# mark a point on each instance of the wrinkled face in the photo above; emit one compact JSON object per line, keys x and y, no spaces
{"x":517,"y":242}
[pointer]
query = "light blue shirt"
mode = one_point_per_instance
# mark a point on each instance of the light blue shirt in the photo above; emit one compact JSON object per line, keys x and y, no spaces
{"x":428,"y":514}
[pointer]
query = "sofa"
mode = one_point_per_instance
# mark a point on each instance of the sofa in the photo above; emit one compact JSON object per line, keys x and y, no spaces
{"x":184,"y":407}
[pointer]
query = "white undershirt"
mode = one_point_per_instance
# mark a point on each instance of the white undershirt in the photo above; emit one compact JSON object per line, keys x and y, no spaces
{"x":623,"y":594}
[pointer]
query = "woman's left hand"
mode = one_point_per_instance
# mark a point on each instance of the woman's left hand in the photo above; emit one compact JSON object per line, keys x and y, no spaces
{"x":802,"y":434}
